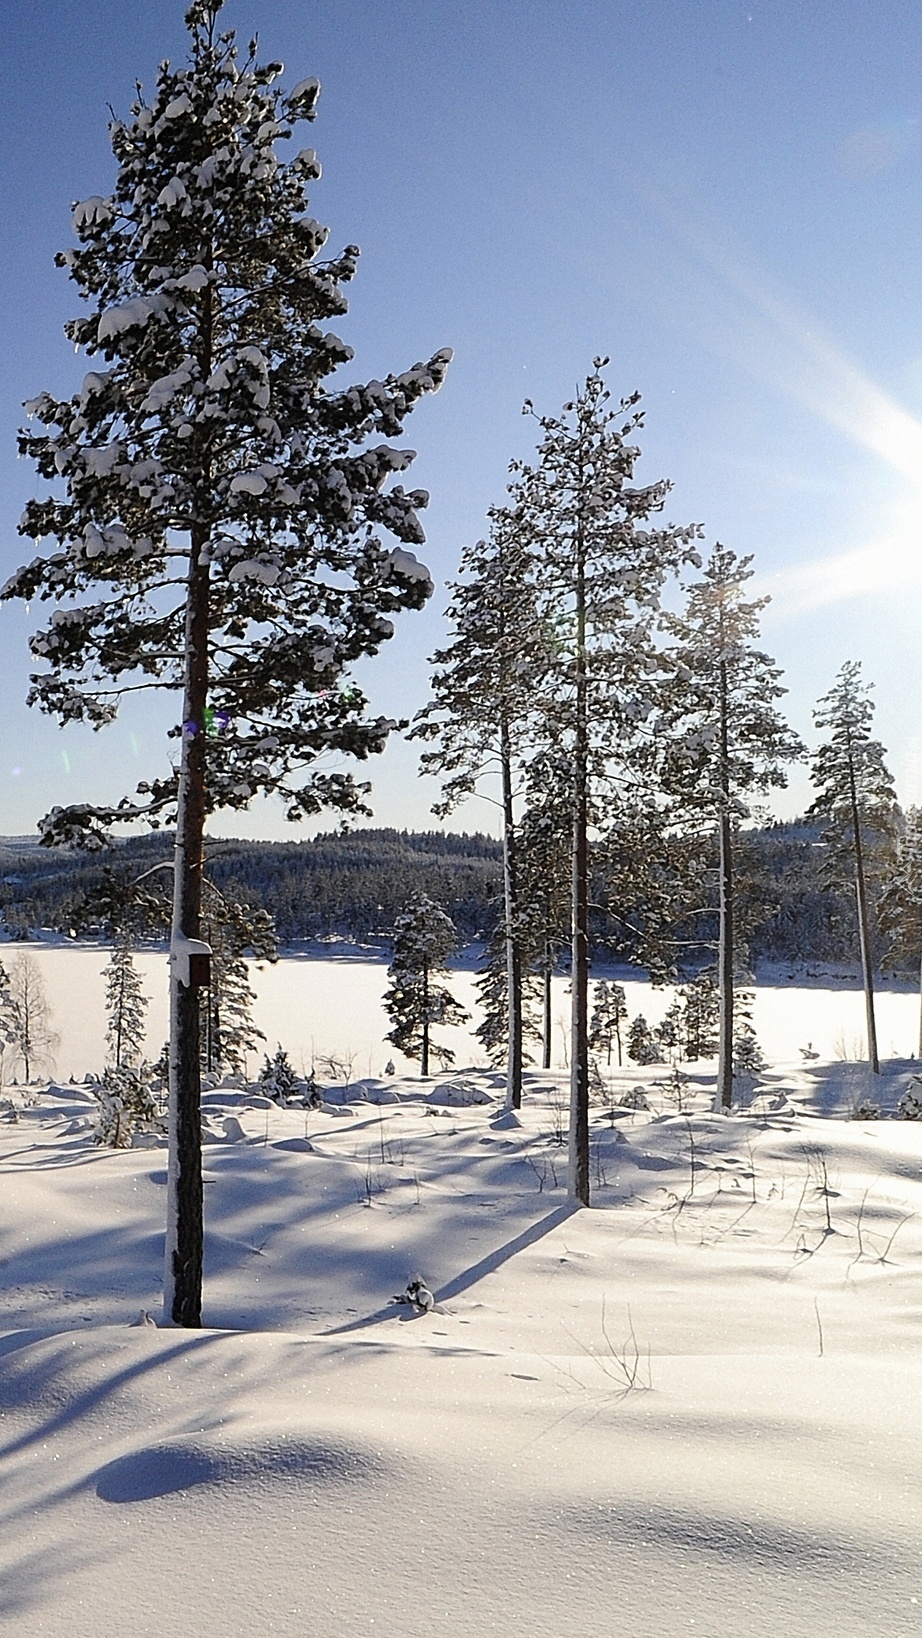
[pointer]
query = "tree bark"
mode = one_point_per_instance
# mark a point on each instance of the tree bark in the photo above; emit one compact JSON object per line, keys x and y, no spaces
{"x":864,"y":931}
{"x":424,"y":1056}
{"x":513,"y":956}
{"x":579,"y":1035}
{"x":725,"y":947}
{"x":546,"y":1024}
{"x":185,"y":1229}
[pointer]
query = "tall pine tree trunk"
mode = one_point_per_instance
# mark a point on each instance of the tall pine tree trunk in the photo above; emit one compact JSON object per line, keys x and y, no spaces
{"x":513,"y":955}
{"x":579,"y":1035}
{"x":546,"y":1023}
{"x":184,"y":1238}
{"x":725,"y":969}
{"x":725,"y":961}
{"x":424,"y":1055}
{"x":864,"y":930}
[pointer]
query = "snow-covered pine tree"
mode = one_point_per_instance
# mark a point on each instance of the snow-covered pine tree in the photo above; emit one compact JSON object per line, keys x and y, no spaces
{"x":641,"y":1042}
{"x":482,"y":691}
{"x":416,"y":1001}
{"x":232,"y":928}
{"x":609,"y":1012}
{"x":217,"y":534}
{"x":493,"y":990}
{"x":30,"y":1033}
{"x":748,"y":1058}
{"x":899,"y":909}
{"x":127,"y":1104}
{"x":700,"y":1016}
{"x":544,"y":890}
{"x":277,"y":1077}
{"x":601,"y":567}
{"x":668,"y":1033}
{"x":126,"y":1006}
{"x":721,"y":739}
{"x":856,"y":798}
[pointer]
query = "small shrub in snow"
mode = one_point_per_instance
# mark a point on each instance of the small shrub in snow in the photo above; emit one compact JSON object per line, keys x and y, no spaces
{"x":277,"y":1079}
{"x":127,"y":1104}
{"x":634,"y":1098}
{"x":641,"y":1046}
{"x":910,"y":1104}
{"x":866,"y":1109}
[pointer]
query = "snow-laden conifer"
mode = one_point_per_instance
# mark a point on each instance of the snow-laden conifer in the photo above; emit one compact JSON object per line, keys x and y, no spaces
{"x":609,"y":1012}
{"x":700,"y":1016}
{"x":214,"y":525}
{"x":722,"y":739}
{"x":416,"y":1000}
{"x":855,"y":796}
{"x":601,"y":568}
{"x":899,"y":908}
{"x":482,"y":699}
{"x":493,"y":991}
{"x":126,"y":1006}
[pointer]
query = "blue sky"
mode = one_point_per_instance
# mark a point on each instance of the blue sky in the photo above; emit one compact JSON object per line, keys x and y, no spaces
{"x":724,"y":197}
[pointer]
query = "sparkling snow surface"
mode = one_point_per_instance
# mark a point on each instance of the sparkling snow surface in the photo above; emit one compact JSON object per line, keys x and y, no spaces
{"x":692,"y":1408}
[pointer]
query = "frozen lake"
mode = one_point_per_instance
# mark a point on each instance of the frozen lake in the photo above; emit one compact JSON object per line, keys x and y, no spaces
{"x":332,"y":1005}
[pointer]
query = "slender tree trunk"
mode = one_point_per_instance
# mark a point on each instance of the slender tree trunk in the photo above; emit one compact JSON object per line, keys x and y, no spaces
{"x":546,"y":1025}
{"x":864,"y":930}
{"x":424,"y":1064}
{"x":579,"y":1036}
{"x":513,"y":955}
{"x":725,"y":950}
{"x":185,"y":1229}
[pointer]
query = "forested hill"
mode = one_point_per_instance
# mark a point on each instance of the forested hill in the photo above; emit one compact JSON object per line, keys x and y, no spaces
{"x":356,"y":884}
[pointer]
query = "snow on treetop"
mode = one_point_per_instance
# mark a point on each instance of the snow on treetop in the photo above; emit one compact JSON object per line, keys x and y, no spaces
{"x":128,"y":315}
{"x":93,"y":212}
{"x":407,"y":564}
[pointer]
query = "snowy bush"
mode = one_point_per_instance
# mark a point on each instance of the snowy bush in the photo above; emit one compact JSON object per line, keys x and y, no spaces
{"x":865,"y":1109}
{"x":634,"y":1098}
{"x":127,"y":1104}
{"x":910,"y":1104}
{"x":277,"y":1079}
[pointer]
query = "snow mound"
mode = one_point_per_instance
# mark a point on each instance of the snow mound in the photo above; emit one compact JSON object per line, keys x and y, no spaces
{"x":175,"y":1465}
{"x":459,"y":1094}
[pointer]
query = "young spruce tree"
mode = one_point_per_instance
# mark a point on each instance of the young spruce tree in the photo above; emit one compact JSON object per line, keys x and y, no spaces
{"x":856,"y":797}
{"x":722,"y":740}
{"x":126,"y":1005}
{"x":601,"y":566}
{"x":416,"y":1001}
{"x":217,"y":534}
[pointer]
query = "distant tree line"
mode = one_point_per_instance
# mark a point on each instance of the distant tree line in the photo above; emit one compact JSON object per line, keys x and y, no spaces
{"x":357,"y":884}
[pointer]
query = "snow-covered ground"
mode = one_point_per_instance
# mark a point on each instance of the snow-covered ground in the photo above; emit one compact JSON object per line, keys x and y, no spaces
{"x":692,"y":1408}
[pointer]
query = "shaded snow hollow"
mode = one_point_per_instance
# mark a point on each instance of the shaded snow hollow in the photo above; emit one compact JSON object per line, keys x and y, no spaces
{"x":691,"y":1408}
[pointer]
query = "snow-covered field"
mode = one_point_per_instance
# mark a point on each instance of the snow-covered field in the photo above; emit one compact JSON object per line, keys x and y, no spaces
{"x":691,"y":1406}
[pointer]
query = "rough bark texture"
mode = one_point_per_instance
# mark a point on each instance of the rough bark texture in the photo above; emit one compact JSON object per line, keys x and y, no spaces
{"x":185,"y":1229}
{"x":725,"y":958}
{"x":725,"y":969}
{"x":864,"y":931}
{"x":546,"y":1024}
{"x":579,"y":1042}
{"x":513,"y":956}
